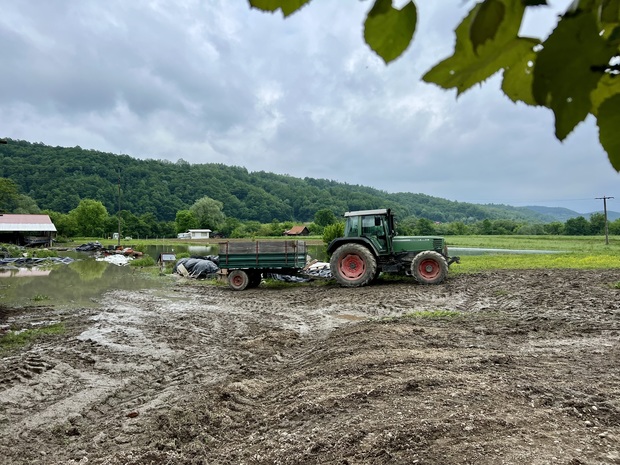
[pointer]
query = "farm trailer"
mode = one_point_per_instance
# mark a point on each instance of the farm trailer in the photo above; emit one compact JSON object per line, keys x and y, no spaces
{"x":247,"y":261}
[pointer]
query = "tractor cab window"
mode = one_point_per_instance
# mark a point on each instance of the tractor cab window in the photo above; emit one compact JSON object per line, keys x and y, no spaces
{"x":350,"y":227}
{"x":368,"y":225}
{"x":373,"y":228}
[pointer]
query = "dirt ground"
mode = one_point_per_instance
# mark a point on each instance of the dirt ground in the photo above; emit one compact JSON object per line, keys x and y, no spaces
{"x":527,"y":372}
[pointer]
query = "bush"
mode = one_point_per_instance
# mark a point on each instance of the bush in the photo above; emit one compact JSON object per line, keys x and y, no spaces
{"x":43,"y":253}
{"x":147,"y":260}
{"x":13,"y":251}
{"x":332,"y":232}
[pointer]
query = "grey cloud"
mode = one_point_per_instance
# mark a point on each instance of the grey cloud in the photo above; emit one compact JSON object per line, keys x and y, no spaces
{"x":214,"y":81}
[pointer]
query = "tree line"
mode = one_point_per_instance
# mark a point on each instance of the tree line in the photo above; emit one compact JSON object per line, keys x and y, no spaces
{"x":58,"y":178}
{"x":90,"y":218}
{"x":88,"y":193}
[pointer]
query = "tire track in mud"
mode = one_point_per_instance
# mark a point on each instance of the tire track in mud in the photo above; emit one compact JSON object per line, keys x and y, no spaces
{"x":138,"y":356}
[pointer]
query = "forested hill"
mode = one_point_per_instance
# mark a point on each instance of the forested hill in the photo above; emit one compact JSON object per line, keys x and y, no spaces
{"x":58,"y":178}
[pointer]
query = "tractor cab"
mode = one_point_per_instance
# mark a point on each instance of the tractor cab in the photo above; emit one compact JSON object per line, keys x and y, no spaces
{"x":377,"y":226}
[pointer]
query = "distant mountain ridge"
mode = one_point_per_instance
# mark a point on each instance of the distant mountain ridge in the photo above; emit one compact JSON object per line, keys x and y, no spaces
{"x":563,"y":214}
{"x":57,"y":178}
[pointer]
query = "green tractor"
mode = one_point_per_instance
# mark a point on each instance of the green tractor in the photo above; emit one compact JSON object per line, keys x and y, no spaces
{"x":370,"y":246}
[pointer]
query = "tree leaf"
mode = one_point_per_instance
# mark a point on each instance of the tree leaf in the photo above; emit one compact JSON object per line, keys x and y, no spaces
{"x":608,"y":121}
{"x":466,"y":68}
{"x":388,"y":31}
{"x":518,"y":77}
{"x":563,"y":75}
{"x":534,"y":2}
{"x":486,"y":22}
{"x":464,"y":73}
{"x":288,"y":7}
{"x":610,"y":11}
{"x":608,"y":86}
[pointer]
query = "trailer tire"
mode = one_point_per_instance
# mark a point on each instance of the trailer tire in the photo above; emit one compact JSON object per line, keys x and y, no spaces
{"x":238,"y":280}
{"x":353,"y":265}
{"x":429,"y":267}
{"x":255,"y":279}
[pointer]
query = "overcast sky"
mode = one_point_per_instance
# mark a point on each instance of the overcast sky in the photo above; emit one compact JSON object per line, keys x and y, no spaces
{"x":215,"y":81}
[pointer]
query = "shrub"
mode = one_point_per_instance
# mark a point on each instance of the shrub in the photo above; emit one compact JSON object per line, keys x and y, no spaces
{"x":43,"y":253}
{"x":332,"y":232}
{"x":13,"y":251}
{"x":146,"y":260}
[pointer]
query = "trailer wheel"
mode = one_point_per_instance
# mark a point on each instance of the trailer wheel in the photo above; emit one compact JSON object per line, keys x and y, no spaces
{"x":238,"y":280}
{"x":429,"y":267}
{"x":353,"y":265}
{"x":254,"y":279}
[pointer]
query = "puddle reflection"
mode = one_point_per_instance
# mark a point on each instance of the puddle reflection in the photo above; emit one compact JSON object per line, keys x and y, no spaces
{"x":22,"y":272}
{"x":76,"y":284}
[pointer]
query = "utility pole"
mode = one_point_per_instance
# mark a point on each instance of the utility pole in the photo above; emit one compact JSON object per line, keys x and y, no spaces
{"x":119,"y":208}
{"x":604,"y":199}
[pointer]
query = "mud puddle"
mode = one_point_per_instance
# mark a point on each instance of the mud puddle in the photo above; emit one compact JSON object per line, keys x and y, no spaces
{"x":79,"y":283}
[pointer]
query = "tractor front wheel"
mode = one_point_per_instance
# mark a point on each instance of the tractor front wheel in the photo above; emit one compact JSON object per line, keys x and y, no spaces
{"x":429,"y":267}
{"x":353,"y":265}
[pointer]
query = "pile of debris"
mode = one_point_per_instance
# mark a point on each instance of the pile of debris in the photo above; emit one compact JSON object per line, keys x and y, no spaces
{"x":198,"y":267}
{"x":98,"y":247}
{"x":119,"y":260}
{"x":313,"y":270}
{"x":90,"y":247}
{"x":316,"y":269}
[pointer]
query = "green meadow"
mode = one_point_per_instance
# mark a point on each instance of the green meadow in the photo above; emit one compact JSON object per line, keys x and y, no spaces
{"x":579,"y":252}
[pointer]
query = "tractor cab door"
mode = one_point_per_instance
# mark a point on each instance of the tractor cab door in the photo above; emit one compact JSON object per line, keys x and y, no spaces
{"x":374,"y":228}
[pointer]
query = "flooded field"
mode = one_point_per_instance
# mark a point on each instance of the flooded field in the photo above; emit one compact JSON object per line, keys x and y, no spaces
{"x":76,"y":284}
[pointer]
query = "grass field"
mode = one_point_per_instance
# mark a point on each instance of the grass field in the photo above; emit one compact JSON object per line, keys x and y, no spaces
{"x":581,"y":252}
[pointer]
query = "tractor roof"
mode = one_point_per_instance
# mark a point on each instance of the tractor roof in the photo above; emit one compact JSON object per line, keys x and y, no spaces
{"x":382,"y":211}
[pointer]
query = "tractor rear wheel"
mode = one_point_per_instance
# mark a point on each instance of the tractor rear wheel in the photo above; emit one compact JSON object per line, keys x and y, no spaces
{"x":353,"y":265}
{"x":429,"y":267}
{"x":238,"y":280}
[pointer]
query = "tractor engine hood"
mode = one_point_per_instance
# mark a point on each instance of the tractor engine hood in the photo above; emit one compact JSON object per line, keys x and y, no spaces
{"x":418,"y":243}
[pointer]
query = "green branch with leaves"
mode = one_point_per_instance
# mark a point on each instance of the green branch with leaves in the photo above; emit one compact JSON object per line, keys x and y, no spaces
{"x":573,"y":72}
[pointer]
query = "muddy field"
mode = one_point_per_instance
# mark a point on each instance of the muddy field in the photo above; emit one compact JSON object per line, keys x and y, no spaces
{"x":526,"y":372}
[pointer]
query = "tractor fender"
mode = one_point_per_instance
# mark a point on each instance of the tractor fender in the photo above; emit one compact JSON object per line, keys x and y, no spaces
{"x":333,"y":245}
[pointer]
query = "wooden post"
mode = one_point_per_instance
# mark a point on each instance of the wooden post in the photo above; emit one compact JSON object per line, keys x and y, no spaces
{"x":604,"y":198}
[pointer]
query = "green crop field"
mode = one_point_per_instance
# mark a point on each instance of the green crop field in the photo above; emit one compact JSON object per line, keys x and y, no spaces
{"x":580,"y":252}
